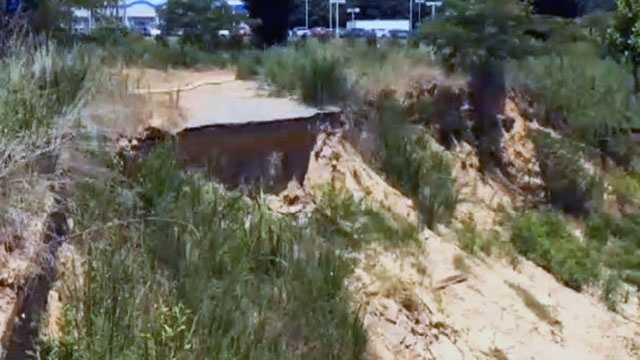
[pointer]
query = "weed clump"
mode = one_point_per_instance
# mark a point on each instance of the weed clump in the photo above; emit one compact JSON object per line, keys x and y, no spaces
{"x":543,"y":238}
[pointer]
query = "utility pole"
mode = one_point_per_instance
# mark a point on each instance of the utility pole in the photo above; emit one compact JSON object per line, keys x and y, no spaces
{"x":338,"y":3}
{"x":306,"y":17}
{"x":410,"y":15}
{"x":420,"y":2}
{"x":337,"y":19}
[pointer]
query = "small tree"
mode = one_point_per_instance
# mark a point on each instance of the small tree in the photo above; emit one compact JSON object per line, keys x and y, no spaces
{"x":624,"y":37}
{"x":199,"y":21}
{"x":478,"y":36}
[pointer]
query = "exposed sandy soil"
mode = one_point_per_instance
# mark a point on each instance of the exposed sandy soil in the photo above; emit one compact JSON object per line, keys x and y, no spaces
{"x":188,"y":99}
{"x":433,"y":301}
{"x":418,"y":304}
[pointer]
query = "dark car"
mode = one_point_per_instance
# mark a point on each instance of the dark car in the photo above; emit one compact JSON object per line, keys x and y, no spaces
{"x":142,"y":30}
{"x":399,"y":34}
{"x":356,"y":33}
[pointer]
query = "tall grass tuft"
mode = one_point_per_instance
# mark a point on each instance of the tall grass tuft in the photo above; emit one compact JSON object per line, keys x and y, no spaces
{"x":312,"y":72}
{"x":37,"y":84}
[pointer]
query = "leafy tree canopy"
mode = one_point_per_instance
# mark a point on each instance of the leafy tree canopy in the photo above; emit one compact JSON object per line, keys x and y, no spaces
{"x":624,"y":37}
{"x":198,"y":20}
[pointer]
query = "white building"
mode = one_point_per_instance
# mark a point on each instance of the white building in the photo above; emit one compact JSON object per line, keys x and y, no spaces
{"x":134,"y":14}
{"x":379,"y":25}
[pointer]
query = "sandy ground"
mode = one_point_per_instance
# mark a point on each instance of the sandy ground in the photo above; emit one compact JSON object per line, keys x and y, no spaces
{"x":418,"y":304}
{"x":434,"y":301}
{"x":188,"y":99}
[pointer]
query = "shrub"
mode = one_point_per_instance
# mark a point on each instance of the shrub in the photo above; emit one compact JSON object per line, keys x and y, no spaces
{"x":617,"y":240}
{"x":415,"y":166}
{"x":544,"y":238}
{"x":36,"y":85}
{"x":590,"y":97}
{"x":568,"y":184}
{"x":311,"y":71}
{"x":281,"y":69}
{"x":322,"y":80}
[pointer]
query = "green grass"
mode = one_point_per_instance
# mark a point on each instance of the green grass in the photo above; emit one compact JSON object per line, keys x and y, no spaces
{"x":543,"y":237}
{"x":179,"y":268}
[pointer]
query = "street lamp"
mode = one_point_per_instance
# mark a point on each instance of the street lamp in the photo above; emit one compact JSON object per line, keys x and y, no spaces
{"x":434,"y":5}
{"x":353,"y":12}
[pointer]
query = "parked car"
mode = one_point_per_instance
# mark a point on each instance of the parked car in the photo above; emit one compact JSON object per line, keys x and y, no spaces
{"x":319,"y":32}
{"x":154,"y":31}
{"x":381,"y":33}
{"x":142,"y":30}
{"x":300,"y":32}
{"x":356,"y":33}
{"x":399,"y":34}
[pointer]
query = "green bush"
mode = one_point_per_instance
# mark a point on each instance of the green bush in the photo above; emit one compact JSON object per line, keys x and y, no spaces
{"x":415,"y":166}
{"x":618,"y":242}
{"x":568,"y":184}
{"x":311,"y":71}
{"x":587,"y":97}
{"x":543,"y":238}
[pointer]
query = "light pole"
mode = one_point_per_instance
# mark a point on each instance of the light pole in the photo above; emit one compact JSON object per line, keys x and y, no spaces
{"x":306,"y":12}
{"x":338,"y":3}
{"x":434,"y":5}
{"x":420,"y":2}
{"x":353,"y":12}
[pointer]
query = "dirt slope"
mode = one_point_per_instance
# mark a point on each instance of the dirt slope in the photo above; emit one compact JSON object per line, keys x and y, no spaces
{"x":433,"y":301}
